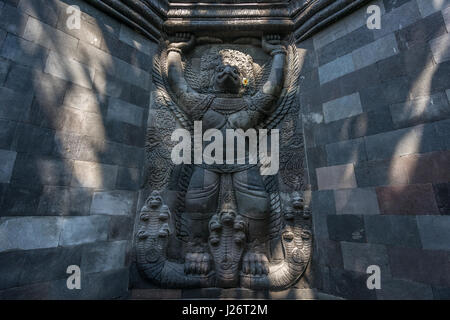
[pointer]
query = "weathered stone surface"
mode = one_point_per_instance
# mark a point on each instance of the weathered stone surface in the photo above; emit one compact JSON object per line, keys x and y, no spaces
{"x":359,"y":256}
{"x":24,"y":52}
{"x":428,"y":7}
{"x":336,"y":177}
{"x":440,"y":48}
{"x":70,"y":70}
{"x":434,"y":232}
{"x":442,"y":194}
{"x":120,"y":228}
{"x":104,"y":256}
{"x":344,"y":152}
{"x":343,"y":107}
{"x":126,"y":112}
{"x":404,"y":290}
{"x":113,"y":203}
{"x":7,"y":160}
{"x":12,"y":20}
{"x":392,"y":230}
{"x":425,"y":266}
{"x":375,"y":51}
{"x":336,"y":68}
{"x":346,"y":227}
{"x":27,"y":233}
{"x":65,"y":201}
{"x":407,"y":200}
{"x":79,"y":230}
{"x":93,"y":175}
{"x":356,"y":201}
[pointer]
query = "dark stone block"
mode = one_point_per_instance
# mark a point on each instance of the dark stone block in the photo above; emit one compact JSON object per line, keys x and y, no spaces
{"x":422,"y":31}
{"x":121,"y":132}
{"x":350,"y":285}
{"x":44,"y":10}
{"x":440,"y":293}
{"x":350,"y":151}
{"x":41,"y":171}
{"x":309,"y":81}
{"x":11,"y":266}
{"x":13,"y":20}
{"x":21,"y":200}
{"x":34,"y":140}
{"x":424,"y":266}
{"x":328,"y":253}
{"x":122,"y":155}
{"x":442,"y":194}
{"x":323,"y":202}
{"x":125,"y":52}
{"x":128,"y":178}
{"x":393,"y":230}
{"x":65,"y":201}
{"x":4,"y":64}
{"x":346,"y":44}
{"x":385,"y":93}
{"x":346,"y":227}
{"x":439,"y":81}
{"x":49,"y":264}
{"x":14,"y":105}
{"x":120,"y":228}
{"x":7,"y":130}
{"x":24,"y":52}
{"x":407,"y":199}
{"x":389,"y":5}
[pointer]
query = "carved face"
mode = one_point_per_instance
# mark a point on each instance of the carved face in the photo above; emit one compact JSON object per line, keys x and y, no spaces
{"x":155,"y":200}
{"x":227,"y":79}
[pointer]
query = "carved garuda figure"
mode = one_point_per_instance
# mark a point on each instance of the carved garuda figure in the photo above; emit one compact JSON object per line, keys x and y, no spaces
{"x":224,"y":224}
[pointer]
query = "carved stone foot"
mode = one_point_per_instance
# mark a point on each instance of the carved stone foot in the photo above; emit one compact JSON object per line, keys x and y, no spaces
{"x":197,"y":263}
{"x":255,"y":263}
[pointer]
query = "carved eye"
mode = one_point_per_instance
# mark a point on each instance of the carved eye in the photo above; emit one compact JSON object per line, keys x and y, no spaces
{"x":220,"y":68}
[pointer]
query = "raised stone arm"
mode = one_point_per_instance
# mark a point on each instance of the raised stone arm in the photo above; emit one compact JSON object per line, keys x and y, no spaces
{"x":272,"y":45}
{"x":181,"y":43}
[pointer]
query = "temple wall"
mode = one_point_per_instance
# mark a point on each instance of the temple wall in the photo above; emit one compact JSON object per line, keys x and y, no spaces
{"x":73,"y":109}
{"x":376,"y":120}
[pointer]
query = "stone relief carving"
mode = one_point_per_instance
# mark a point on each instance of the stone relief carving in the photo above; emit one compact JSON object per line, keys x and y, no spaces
{"x":224,"y":225}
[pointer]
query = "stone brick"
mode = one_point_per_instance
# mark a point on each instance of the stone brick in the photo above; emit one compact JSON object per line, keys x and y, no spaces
{"x":63,"y":201}
{"x":424,"y":168}
{"x":126,"y":112}
{"x":392,"y":230}
{"x":336,"y":177}
{"x":38,"y":170}
{"x":421,"y":32}
{"x":136,"y":40}
{"x":27,"y":233}
{"x":336,"y":68}
{"x":441,"y":293}
{"x":423,"y":109}
{"x":356,"y":201}
{"x":329,"y":35}
{"x":13,"y":105}
{"x":344,"y":45}
{"x":350,"y":285}
{"x":385,"y":93}
{"x":428,"y":7}
{"x":128,"y":178}
{"x":7,"y":160}
{"x":440,"y":48}
{"x":104,"y":256}
{"x":66,"y":145}
{"x":343,"y":107}
{"x":434,"y":232}
{"x":70,"y":70}
{"x":350,"y":151}
{"x":322,"y":206}
{"x":328,"y":253}
{"x":426,"y":266}
{"x":358,"y":256}
{"x":404,"y":290}
{"x":120,"y":228}
{"x":414,"y":199}
{"x":346,"y":227}
{"x":33,"y":140}
{"x":11,"y":265}
{"x":43,"y":10}
{"x":442,"y":194}
{"x":93,"y":175}
{"x":7,"y":130}
{"x":49,"y":37}
{"x":12,"y":20}
{"x":399,"y":17}
{"x":21,"y":200}
{"x":24,"y":52}
{"x":442,"y":129}
{"x":392,"y":4}
{"x":85,"y":100}
{"x":86,"y":229}
{"x":113,"y":203}
{"x":375,"y":51}
{"x":446,"y":14}
{"x":418,"y":139}
{"x":48,"y":264}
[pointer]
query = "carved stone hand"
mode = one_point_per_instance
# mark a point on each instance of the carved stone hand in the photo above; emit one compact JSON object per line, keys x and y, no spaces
{"x":271,"y":44}
{"x":182,"y":42}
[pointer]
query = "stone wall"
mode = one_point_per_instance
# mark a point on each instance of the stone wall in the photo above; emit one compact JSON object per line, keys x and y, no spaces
{"x":73,"y":109}
{"x":376,"y":116}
